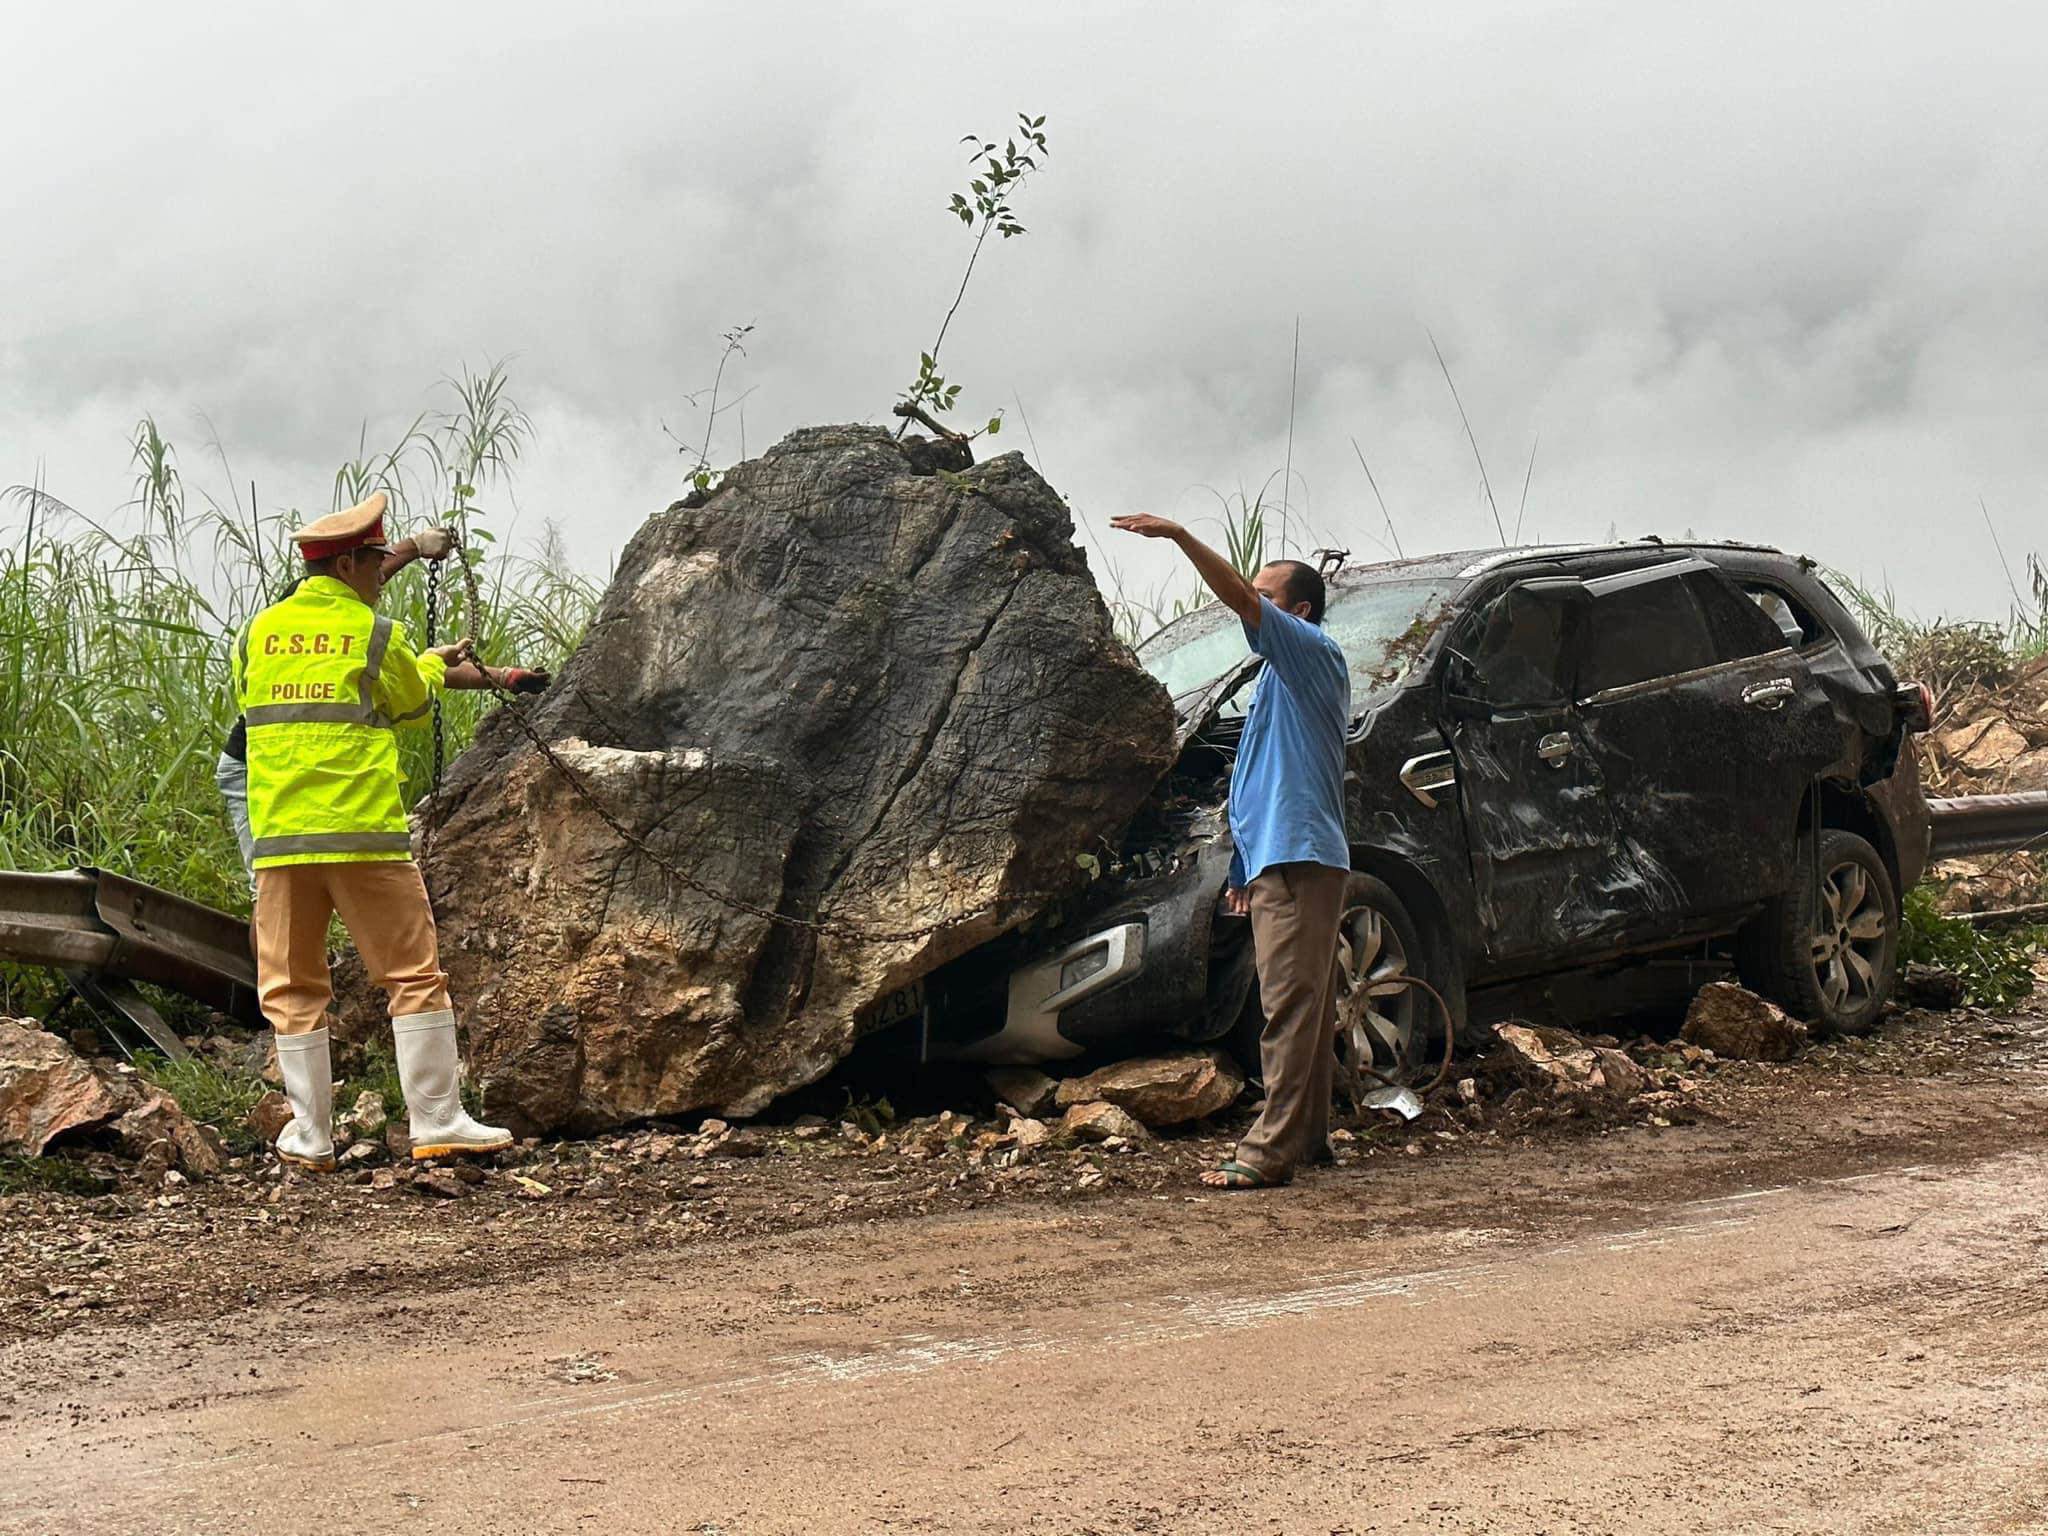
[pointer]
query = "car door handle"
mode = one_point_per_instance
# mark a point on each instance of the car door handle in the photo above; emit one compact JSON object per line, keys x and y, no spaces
{"x":1555,"y":748}
{"x":1770,"y":695}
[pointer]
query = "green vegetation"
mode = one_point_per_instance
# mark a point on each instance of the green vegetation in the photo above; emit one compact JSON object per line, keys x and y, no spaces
{"x":1997,"y":968}
{"x":115,"y":636}
{"x":51,"y":1174}
{"x":985,"y":208}
{"x":210,"y":1094}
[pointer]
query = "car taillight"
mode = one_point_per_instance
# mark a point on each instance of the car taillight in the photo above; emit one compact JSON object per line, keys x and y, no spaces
{"x":1916,"y":703}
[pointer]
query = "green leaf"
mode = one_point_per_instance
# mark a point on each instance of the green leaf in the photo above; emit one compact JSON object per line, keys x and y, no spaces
{"x":995,"y":425}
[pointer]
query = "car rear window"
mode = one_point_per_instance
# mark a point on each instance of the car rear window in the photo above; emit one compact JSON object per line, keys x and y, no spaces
{"x":1738,"y":624}
{"x":1799,"y":627}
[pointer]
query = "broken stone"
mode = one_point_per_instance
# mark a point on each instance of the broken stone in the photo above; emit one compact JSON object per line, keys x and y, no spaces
{"x":157,"y":1129}
{"x":1024,"y":1089}
{"x":46,"y":1090}
{"x":1568,"y":1068}
{"x":398,"y":1141}
{"x":269,"y":1115}
{"x":369,"y":1117}
{"x":1100,"y":1121}
{"x":1030,"y":1134}
{"x":362,"y":1154}
{"x":1984,"y":746}
{"x":1732,"y":1021}
{"x":439,"y":1182}
{"x":1930,"y":986}
{"x":1161,"y":1090}
{"x":844,"y":686}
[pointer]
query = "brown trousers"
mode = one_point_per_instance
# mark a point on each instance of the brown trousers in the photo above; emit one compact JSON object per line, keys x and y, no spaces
{"x":383,"y":906}
{"x":1295,"y":912}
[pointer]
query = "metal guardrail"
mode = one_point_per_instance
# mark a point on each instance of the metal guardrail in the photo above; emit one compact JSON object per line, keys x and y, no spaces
{"x":105,"y":932}
{"x":1976,"y":824}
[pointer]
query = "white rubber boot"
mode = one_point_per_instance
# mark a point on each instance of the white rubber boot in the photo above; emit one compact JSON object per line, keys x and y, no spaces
{"x":308,"y":1073}
{"x":431,"y":1076}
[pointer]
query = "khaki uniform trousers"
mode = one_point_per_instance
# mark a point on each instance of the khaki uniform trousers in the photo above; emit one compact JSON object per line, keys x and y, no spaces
{"x":1295,"y":912}
{"x":384,"y":907}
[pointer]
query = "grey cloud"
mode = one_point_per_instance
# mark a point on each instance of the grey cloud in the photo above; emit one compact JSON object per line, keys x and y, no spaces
{"x":1758,"y":271}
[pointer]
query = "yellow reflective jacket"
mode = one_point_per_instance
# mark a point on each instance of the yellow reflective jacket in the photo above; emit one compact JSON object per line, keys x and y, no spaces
{"x":322,"y":678}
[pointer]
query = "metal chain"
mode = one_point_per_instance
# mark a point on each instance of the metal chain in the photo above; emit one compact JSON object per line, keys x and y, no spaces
{"x":433,"y":621}
{"x":823,"y":927}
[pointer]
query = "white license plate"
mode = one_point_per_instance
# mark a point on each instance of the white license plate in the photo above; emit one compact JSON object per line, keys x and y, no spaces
{"x":904,"y":1003}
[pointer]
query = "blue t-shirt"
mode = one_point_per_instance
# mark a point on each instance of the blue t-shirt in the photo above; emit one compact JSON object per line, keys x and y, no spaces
{"x":1287,"y":790}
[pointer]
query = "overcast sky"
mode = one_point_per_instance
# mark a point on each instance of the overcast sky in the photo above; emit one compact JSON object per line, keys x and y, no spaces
{"x":1773,"y":271}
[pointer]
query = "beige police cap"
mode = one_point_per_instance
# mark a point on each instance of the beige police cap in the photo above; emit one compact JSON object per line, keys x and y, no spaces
{"x":359,"y":527}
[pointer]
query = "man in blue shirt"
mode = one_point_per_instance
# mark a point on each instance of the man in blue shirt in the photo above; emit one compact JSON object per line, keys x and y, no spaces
{"x":1292,"y":859}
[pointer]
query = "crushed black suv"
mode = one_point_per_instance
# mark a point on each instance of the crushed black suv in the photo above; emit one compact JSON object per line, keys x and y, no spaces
{"x":1574,"y":774}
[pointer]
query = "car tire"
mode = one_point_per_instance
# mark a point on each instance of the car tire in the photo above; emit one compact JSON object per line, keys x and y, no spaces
{"x":1828,"y":955}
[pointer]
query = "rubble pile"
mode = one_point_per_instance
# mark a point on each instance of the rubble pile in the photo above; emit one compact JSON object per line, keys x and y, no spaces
{"x":49,"y":1093}
{"x":864,"y":683}
{"x":1990,"y":736}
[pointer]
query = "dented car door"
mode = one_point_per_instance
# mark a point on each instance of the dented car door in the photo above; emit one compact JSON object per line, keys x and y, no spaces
{"x":1540,"y":829}
{"x":1708,"y":729}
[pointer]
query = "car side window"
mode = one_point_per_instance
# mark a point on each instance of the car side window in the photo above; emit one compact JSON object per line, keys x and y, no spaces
{"x":1519,"y":654}
{"x":1644,"y":625}
{"x":1738,"y":624}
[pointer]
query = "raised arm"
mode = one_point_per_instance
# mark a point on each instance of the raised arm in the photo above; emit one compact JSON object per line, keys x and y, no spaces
{"x":1217,"y":573}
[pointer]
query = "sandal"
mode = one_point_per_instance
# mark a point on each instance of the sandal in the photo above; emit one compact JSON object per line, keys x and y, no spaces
{"x":1238,"y":1175}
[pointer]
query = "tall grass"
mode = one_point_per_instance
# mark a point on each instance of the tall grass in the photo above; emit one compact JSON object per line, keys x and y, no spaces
{"x":115,"y":636}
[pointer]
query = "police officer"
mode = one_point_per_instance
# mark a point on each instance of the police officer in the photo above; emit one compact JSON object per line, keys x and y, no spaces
{"x":322,"y":679}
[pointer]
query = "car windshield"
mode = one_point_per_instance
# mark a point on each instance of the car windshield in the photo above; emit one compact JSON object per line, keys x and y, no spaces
{"x":1380,"y":625}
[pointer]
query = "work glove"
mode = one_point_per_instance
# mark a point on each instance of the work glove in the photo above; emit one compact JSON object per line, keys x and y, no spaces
{"x":433,"y":543}
{"x":525,"y":680}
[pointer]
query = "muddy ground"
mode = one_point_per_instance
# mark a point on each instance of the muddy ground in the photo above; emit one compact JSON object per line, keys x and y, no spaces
{"x":1811,"y":1301}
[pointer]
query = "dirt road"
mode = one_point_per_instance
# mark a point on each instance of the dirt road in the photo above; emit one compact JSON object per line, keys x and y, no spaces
{"x":1824,"y":1317}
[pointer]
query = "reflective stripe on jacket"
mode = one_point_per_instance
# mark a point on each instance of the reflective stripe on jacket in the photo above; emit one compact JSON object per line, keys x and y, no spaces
{"x":321,"y":679}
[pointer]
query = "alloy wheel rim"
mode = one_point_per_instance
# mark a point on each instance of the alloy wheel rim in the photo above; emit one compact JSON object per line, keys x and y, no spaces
{"x":1849,"y":928}
{"x":1376,"y":1015}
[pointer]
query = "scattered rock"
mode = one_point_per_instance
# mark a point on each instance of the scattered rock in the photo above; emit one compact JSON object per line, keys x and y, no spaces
{"x":1160,"y":1090}
{"x":440,"y":1182}
{"x":398,"y":1141}
{"x":845,"y":684}
{"x":1099,"y":1121}
{"x":1732,"y":1021}
{"x":47,"y":1090}
{"x":1024,"y":1089}
{"x":156,"y":1130}
{"x":369,"y":1117}
{"x":1558,"y":1062}
{"x":1930,"y":986}
{"x":363,"y":1154}
{"x":269,"y":1116}
{"x":1030,"y":1134}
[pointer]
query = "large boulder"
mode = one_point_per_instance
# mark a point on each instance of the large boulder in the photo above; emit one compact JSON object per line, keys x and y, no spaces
{"x":47,"y":1090}
{"x":1160,"y":1090}
{"x":850,"y":686}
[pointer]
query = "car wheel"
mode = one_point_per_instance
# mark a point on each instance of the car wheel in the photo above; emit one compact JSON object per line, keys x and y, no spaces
{"x":1381,"y":1022}
{"x":1828,"y":950}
